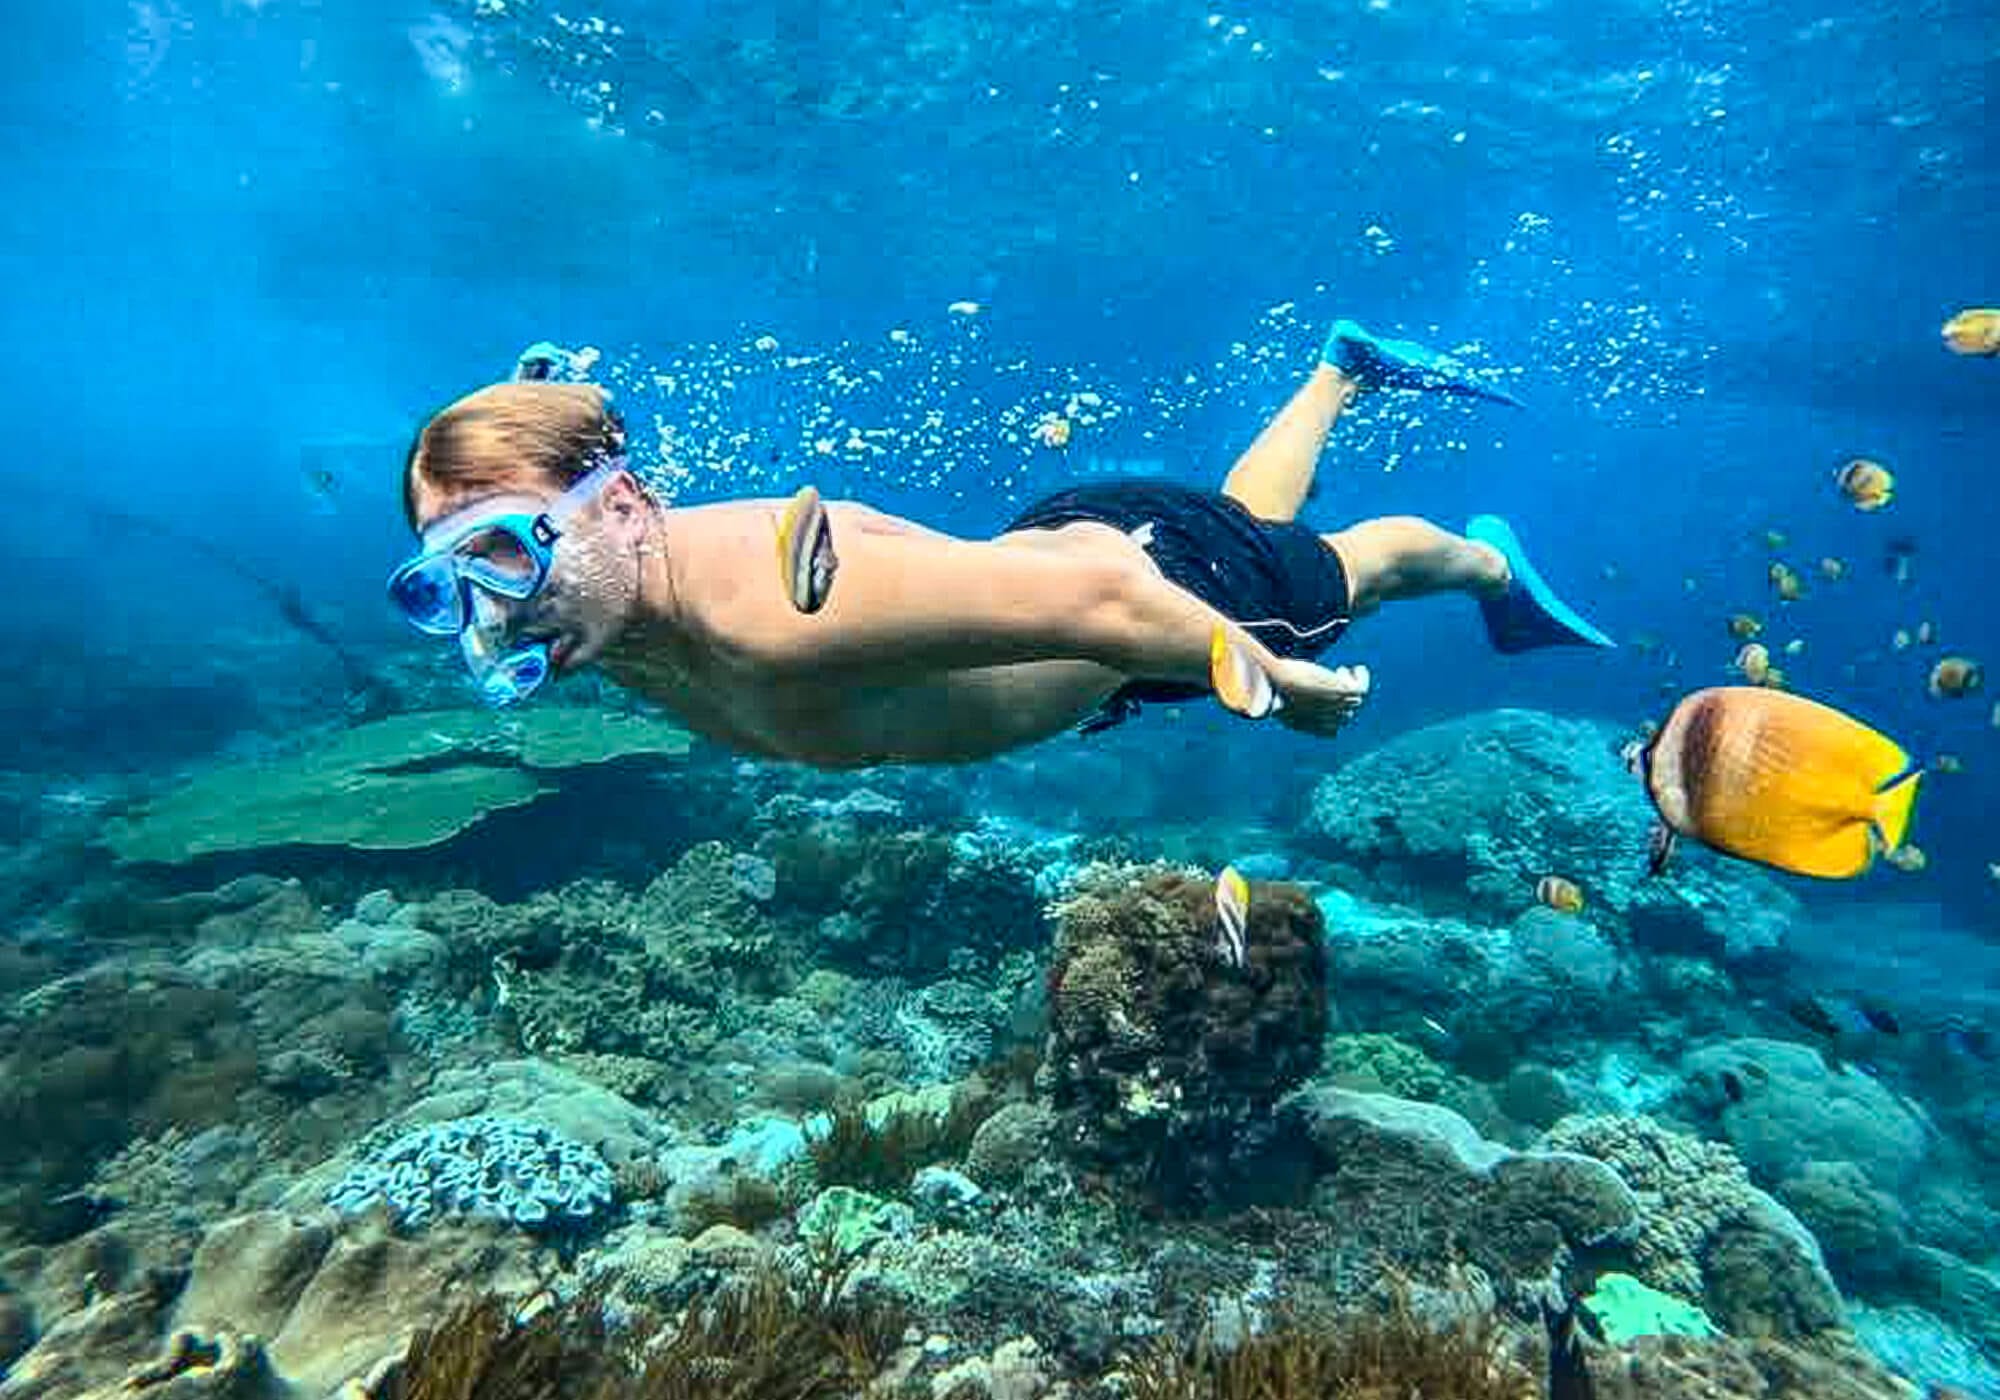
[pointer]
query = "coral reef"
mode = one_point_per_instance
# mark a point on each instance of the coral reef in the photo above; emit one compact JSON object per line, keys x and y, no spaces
{"x":822,"y":1035}
{"x":1792,"y":1109}
{"x":1626,"y":1309}
{"x":329,"y":1308}
{"x":89,"y":1062}
{"x":1161,"y":1057}
{"x":1015,"y":1138}
{"x":1683,"y":1368}
{"x":1706,"y":1234}
{"x":1423,"y":1188}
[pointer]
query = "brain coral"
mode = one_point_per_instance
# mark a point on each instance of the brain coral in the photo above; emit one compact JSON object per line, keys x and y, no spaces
{"x":501,"y":1168}
{"x":1706,"y":1233}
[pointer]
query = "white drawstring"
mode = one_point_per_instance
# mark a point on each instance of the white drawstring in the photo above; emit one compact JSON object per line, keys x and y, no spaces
{"x":1304,"y":634}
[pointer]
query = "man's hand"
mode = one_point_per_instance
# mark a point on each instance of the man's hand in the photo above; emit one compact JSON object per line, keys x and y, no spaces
{"x":1317,"y":699}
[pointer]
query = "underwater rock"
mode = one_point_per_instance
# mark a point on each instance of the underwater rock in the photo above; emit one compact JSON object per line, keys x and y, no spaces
{"x":725,"y":1249}
{"x":799,"y":1087}
{"x":1705,"y":1233}
{"x":96,"y":1345}
{"x":1161,"y":1055}
{"x":1422,"y":1185}
{"x":1734,"y":1368}
{"x":397,"y":784}
{"x":249,"y":1271}
{"x":17,"y":1328}
{"x":704,"y":1179}
{"x":1464,"y":818}
{"x":1796,"y":1110}
{"x":1863,"y":1232}
{"x":943,"y":1193}
{"x":330,"y":1308}
{"x":1959,"y":1291}
{"x":1926,"y":1349}
{"x":200,"y":1366}
{"x":1015,"y":1371}
{"x":1534,"y":988}
{"x":372,"y":1290}
{"x":1012,"y":1139}
{"x":1535,"y":1095}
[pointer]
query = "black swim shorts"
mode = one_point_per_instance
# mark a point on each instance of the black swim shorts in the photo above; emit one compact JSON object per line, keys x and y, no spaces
{"x":1276,"y":579}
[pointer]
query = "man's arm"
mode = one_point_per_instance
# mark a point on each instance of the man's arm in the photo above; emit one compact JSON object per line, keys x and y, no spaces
{"x":914,"y":605}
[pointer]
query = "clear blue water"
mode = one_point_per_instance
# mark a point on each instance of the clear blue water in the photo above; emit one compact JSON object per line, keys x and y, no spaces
{"x":1711,"y":243}
{"x":248,"y":245}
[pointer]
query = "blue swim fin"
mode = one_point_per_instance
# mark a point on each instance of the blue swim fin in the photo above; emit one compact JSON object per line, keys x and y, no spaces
{"x":1528,"y":615}
{"x":1376,"y":362}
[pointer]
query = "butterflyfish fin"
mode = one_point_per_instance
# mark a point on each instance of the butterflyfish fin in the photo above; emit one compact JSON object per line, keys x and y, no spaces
{"x":1659,"y":847}
{"x":1894,"y":805}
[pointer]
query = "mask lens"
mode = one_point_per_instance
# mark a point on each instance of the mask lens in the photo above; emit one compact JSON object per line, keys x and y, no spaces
{"x":499,"y":560}
{"x":428,"y":595}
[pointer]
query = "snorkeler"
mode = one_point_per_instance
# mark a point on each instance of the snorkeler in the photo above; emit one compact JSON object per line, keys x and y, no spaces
{"x":541,"y":554}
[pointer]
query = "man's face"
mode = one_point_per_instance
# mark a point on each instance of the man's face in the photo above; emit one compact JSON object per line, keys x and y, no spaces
{"x":593,"y":579}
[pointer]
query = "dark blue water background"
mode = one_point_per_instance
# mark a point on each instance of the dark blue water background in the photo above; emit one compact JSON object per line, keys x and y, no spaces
{"x":1710,"y":244}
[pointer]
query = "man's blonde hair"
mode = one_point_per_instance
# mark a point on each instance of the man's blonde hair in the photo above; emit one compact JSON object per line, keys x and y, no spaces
{"x":513,"y":435}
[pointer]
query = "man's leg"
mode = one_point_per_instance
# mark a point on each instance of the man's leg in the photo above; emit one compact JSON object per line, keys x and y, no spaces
{"x":1401,"y":556}
{"x":1272,"y":477}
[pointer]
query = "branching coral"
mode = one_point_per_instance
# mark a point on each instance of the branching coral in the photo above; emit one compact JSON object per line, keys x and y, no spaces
{"x":1393,"y":1354}
{"x":768,"y":1337}
{"x":881,"y":1151}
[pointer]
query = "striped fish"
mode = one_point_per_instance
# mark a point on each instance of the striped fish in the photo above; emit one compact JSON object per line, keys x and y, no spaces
{"x":1232,"y":911}
{"x":1240,"y":681}
{"x":806,"y":561}
{"x":1559,"y":894}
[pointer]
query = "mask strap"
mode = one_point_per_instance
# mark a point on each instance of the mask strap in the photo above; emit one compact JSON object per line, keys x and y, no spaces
{"x":547,"y":362}
{"x":584,"y":488}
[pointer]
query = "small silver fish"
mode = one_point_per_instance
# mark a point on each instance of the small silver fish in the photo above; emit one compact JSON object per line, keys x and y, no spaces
{"x":1232,"y":910}
{"x":806,"y":561}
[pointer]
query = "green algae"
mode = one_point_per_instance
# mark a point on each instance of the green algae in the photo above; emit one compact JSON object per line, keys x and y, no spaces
{"x":1627,"y":1308}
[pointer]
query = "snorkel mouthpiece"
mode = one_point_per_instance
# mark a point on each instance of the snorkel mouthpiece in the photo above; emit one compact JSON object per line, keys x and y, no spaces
{"x":503,"y":675}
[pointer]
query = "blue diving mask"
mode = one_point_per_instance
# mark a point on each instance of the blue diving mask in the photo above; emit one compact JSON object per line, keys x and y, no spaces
{"x":470,"y":572}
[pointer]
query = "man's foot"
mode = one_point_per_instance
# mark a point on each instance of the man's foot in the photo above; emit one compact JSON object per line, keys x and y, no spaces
{"x":1528,"y":615}
{"x":1319,"y":700}
{"x":1375,"y":362}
